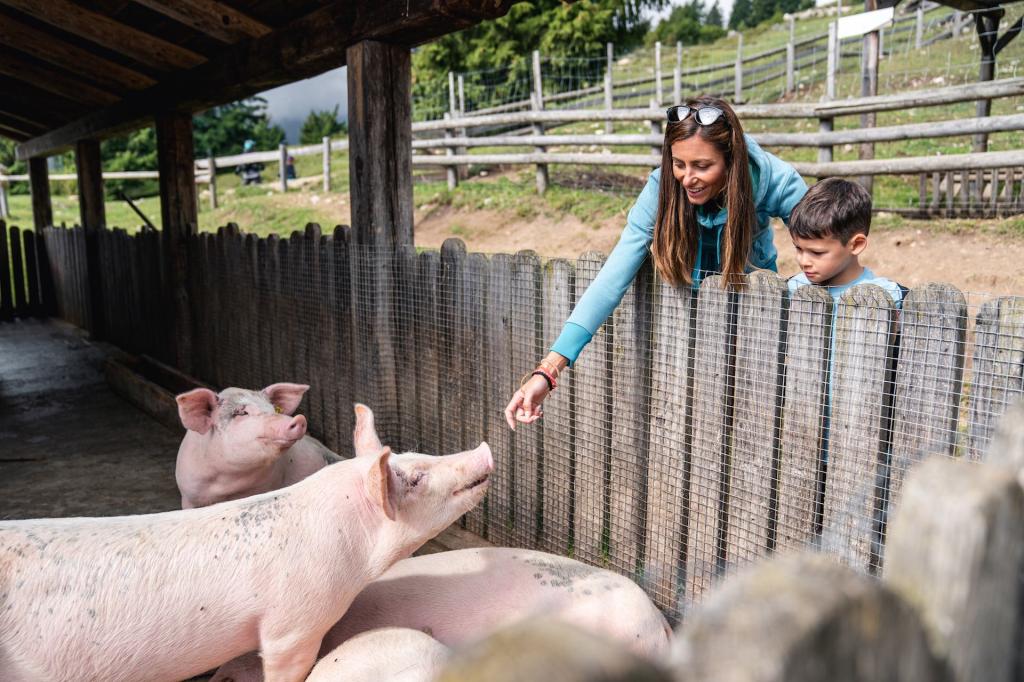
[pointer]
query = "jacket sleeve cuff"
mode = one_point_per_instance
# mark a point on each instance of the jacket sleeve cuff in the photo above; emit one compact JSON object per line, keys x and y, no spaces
{"x":571,"y":341}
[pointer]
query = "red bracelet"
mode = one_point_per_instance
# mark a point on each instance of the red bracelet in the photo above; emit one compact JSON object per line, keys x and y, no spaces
{"x":552,"y":384}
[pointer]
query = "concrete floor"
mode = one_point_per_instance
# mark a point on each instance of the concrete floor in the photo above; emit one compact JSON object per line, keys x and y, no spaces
{"x":68,"y":445}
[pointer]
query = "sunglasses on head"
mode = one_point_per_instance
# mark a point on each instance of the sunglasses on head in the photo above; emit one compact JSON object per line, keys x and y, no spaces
{"x":705,"y":115}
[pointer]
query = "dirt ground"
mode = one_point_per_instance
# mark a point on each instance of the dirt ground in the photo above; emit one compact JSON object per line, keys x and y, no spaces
{"x":917,"y":252}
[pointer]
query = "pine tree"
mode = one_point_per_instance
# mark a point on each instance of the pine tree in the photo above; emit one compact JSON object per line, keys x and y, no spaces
{"x":714,"y":17}
{"x":740,"y":16}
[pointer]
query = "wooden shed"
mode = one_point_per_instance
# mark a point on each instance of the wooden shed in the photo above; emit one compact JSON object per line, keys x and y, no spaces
{"x":73,"y":73}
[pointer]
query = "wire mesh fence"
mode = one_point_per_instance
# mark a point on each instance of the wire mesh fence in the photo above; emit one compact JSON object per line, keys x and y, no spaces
{"x":699,"y":431}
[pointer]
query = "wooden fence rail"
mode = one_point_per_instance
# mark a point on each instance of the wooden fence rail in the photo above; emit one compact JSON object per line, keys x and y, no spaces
{"x":689,"y":439}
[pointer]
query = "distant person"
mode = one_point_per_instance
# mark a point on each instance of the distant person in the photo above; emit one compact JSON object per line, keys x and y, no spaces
{"x":289,"y":168}
{"x":712,"y":216}
{"x":250,"y":172}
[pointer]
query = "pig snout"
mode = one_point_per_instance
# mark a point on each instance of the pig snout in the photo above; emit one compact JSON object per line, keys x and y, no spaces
{"x":288,"y":430}
{"x":476,"y":468}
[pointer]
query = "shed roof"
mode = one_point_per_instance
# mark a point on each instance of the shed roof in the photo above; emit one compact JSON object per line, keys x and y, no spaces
{"x":80,"y":69}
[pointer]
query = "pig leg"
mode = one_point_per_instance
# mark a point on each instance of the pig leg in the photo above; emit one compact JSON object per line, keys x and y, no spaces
{"x":289,"y":661}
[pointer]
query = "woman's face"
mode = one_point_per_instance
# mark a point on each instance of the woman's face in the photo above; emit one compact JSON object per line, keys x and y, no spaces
{"x":699,"y":167}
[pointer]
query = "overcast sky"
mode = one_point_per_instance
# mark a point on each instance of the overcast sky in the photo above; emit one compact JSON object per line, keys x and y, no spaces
{"x":289,"y":104}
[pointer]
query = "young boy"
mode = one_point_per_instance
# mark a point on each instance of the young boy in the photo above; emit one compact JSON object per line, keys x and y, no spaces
{"x":829,"y":228}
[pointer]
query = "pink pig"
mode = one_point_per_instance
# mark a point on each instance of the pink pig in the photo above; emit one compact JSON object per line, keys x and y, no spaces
{"x":392,"y":654}
{"x":463,"y":595}
{"x":244,"y":442}
{"x":168,"y":596}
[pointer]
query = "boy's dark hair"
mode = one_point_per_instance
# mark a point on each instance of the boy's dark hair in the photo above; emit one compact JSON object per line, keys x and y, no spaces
{"x":832,"y":208}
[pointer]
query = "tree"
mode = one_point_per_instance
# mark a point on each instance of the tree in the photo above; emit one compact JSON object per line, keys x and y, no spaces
{"x":714,"y":16}
{"x":740,"y":15}
{"x":222,"y":130}
{"x":502,"y":47}
{"x":760,"y":11}
{"x":321,"y":124}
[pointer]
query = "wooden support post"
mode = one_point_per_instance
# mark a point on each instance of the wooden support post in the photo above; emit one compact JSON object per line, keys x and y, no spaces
{"x":452,"y":103}
{"x":872,"y":46}
{"x":609,"y":98}
{"x":677,"y":75}
{"x":282,"y":166}
{"x":658,"y":91}
{"x":179,"y":220}
{"x":380,"y":143}
{"x":738,"y":90}
{"x":918,"y":27}
{"x":39,"y":186}
{"x":93,"y":216}
{"x":538,"y":129}
{"x":211,"y":166}
{"x":791,"y":55}
{"x":327,"y":163}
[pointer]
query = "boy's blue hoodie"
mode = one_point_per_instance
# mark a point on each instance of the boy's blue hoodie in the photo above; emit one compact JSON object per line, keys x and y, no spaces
{"x":777,"y":189}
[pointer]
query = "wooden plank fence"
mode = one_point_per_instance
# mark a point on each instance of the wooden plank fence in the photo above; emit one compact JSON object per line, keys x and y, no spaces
{"x":698,"y":431}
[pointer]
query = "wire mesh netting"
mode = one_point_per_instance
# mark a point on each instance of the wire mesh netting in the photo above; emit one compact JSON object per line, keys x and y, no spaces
{"x":699,"y":431}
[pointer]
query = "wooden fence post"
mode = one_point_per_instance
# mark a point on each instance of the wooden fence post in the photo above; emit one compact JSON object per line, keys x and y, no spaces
{"x":39,"y":185}
{"x":918,"y":27}
{"x":609,"y":98}
{"x":92,"y":211}
{"x":677,"y":75}
{"x":538,"y":128}
{"x":327,"y":163}
{"x":996,"y":369}
{"x":738,"y":90}
{"x":451,"y":172}
{"x":283,"y":166}
{"x":461,"y":132}
{"x":872,"y":46}
{"x":658,"y":92}
{"x":655,"y":129}
{"x":211,"y":165}
{"x":5,"y":210}
{"x":955,"y":550}
{"x":6,"y":292}
{"x":802,"y":618}
{"x":825,"y":123}
{"x":791,"y":55}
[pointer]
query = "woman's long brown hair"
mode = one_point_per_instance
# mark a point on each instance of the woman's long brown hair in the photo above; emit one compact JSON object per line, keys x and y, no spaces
{"x":676,"y":228}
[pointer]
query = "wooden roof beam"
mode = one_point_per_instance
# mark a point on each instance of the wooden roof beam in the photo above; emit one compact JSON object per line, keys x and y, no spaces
{"x":16,"y":66}
{"x":16,"y":122}
{"x":213,"y":18}
{"x":103,"y":72}
{"x":306,"y":47}
{"x":101,"y":29}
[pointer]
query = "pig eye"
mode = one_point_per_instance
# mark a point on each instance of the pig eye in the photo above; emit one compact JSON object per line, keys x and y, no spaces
{"x":415,"y":480}
{"x":239,"y":411}
{"x":277,"y":409}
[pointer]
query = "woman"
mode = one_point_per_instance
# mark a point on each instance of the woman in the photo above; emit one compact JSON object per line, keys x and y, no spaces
{"x":711,"y":217}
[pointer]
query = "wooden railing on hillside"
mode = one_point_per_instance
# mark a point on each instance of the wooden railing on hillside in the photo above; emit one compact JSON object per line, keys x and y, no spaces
{"x":690,"y":437}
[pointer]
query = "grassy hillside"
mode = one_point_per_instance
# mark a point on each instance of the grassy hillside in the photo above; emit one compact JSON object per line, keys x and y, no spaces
{"x":592,"y":195}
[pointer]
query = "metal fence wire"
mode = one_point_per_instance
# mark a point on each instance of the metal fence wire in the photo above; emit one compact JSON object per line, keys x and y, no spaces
{"x":699,"y":430}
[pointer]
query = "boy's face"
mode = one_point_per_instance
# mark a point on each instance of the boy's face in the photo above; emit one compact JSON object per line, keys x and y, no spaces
{"x":829,"y":262}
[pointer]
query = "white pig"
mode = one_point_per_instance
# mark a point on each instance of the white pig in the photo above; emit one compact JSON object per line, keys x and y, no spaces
{"x":383,"y":655}
{"x":242,"y":442}
{"x":168,"y":596}
{"x":462,"y":595}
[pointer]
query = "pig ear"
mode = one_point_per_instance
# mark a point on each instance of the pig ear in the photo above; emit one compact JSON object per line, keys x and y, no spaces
{"x":196,"y":409}
{"x":367,"y":444}
{"x":378,"y":483}
{"x":285,"y":397}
